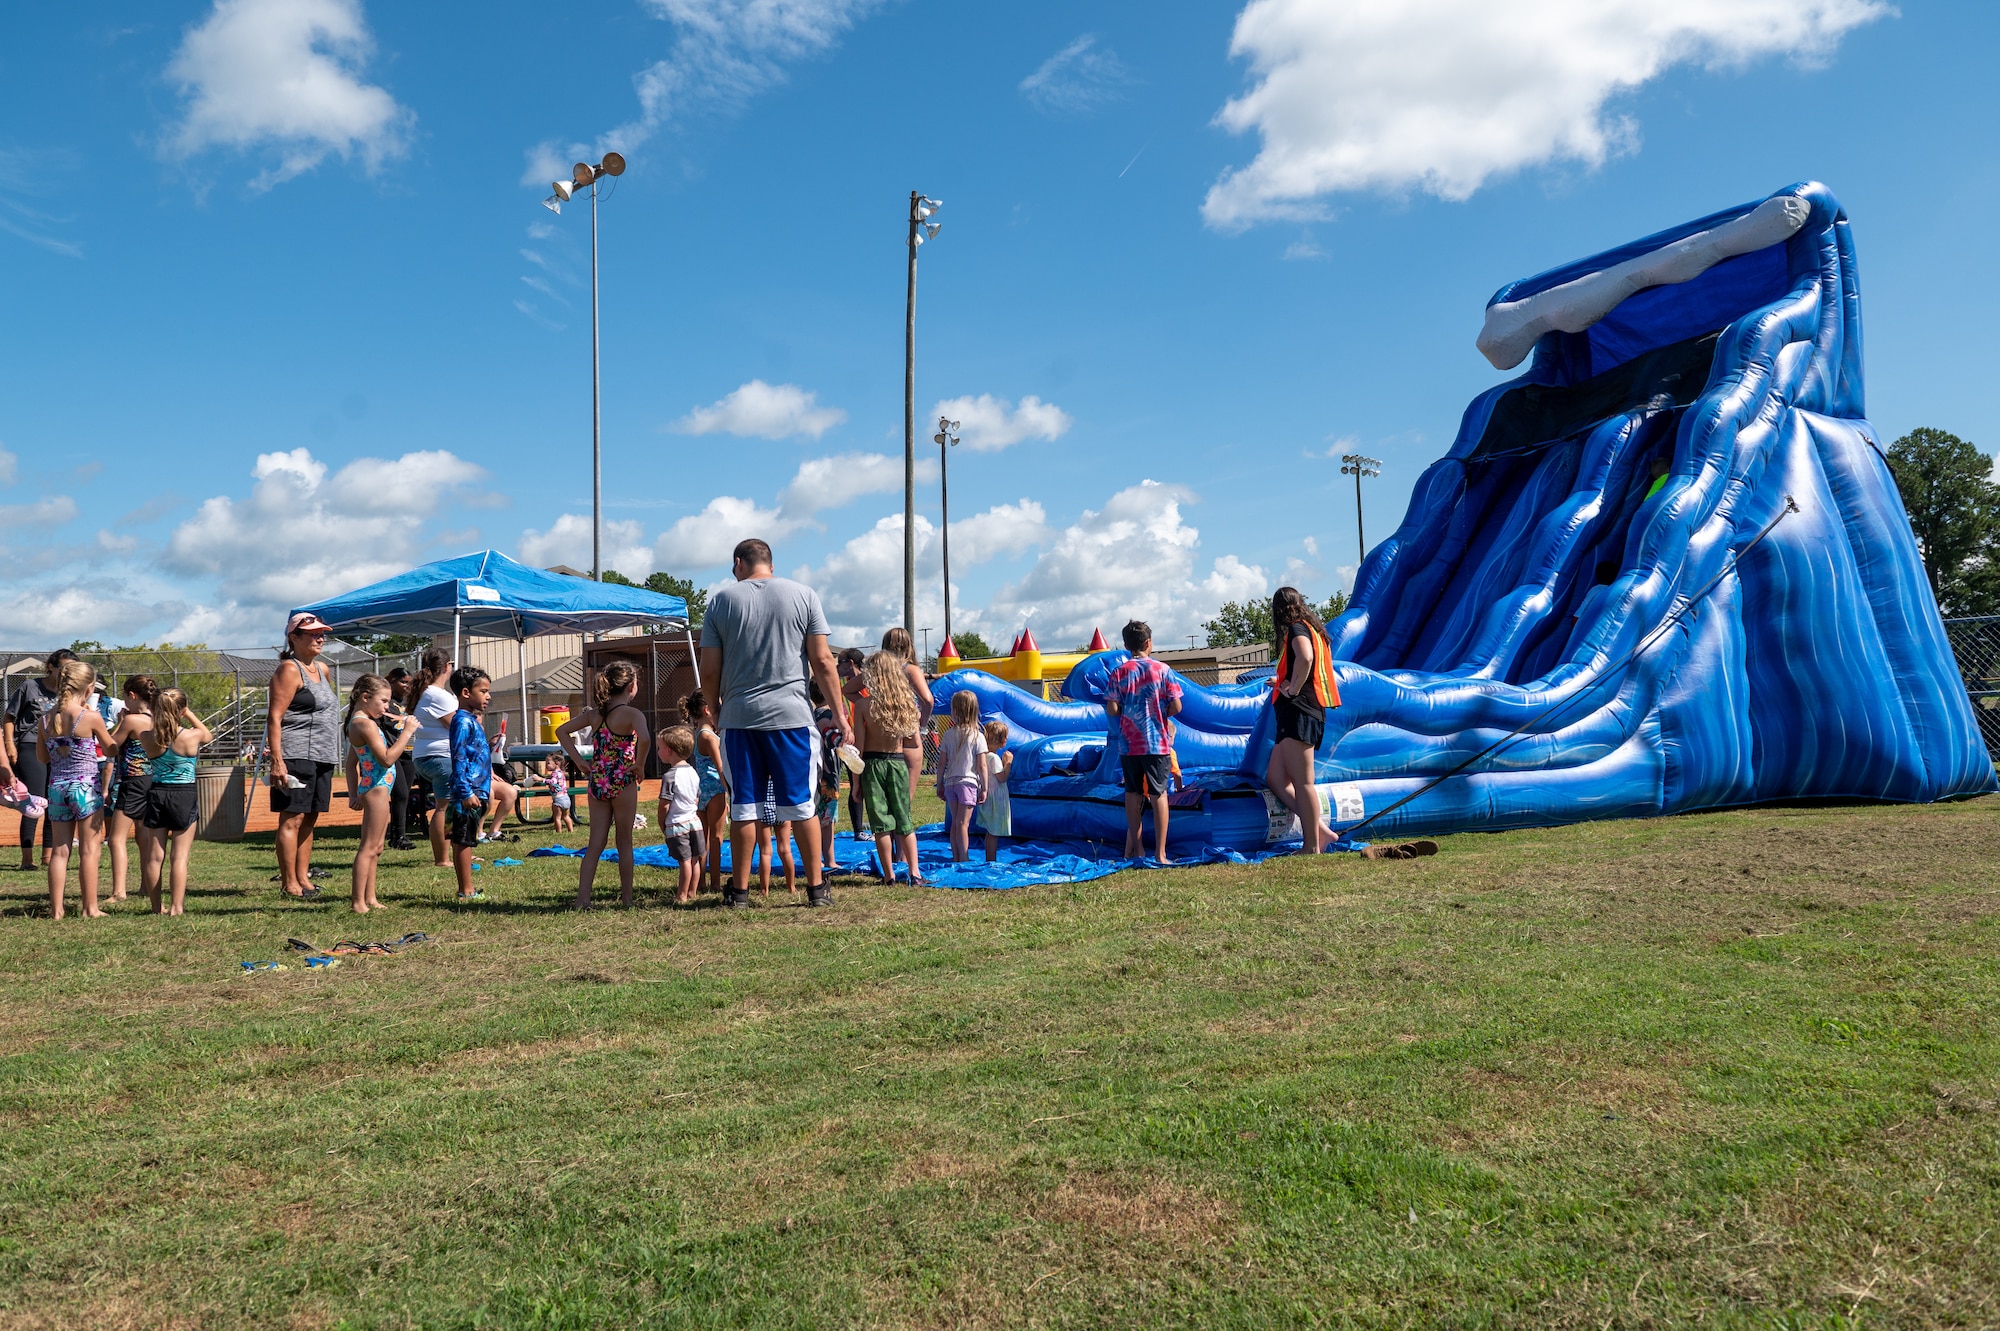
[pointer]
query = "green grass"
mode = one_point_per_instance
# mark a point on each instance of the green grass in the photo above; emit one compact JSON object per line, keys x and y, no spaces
{"x":1730,"y":1070}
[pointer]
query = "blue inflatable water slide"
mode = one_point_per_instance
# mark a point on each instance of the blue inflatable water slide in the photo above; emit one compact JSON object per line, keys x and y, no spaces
{"x":1664,"y":569}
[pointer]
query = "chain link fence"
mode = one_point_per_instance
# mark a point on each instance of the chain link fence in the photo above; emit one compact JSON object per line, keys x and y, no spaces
{"x":226,"y":687}
{"x":1975,"y":641}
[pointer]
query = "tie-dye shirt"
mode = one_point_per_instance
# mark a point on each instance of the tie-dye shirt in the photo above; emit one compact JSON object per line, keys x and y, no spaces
{"x":471,"y":759}
{"x":1142,"y":688}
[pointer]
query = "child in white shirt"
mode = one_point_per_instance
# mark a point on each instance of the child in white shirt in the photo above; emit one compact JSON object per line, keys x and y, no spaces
{"x":680,"y":811}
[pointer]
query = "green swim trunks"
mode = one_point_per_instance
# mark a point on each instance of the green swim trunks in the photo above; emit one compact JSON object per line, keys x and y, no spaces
{"x":885,"y":793}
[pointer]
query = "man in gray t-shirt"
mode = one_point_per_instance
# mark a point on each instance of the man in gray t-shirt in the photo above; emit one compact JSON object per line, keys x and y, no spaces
{"x":761,"y":639}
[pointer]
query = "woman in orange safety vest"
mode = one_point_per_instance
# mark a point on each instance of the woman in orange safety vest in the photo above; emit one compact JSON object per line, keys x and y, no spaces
{"x":1301,"y":691}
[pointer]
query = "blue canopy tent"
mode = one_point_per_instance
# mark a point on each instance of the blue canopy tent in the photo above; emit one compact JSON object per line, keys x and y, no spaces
{"x":497,"y":597}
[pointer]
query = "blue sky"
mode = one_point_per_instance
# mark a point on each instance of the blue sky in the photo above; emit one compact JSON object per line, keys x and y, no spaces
{"x":287,"y":315}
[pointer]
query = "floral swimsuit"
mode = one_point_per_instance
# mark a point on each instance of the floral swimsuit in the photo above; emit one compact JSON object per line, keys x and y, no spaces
{"x":614,"y":765}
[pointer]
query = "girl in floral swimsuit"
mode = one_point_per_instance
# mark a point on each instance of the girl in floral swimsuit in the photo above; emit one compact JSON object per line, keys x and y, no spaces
{"x":618,"y":737}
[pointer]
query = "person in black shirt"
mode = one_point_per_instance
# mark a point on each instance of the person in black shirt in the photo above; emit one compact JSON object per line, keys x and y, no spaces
{"x":24,"y":713}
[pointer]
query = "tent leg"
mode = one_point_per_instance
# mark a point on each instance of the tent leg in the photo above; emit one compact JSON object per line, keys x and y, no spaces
{"x":455,"y":618}
{"x":521,"y":644}
{"x":694,"y":656}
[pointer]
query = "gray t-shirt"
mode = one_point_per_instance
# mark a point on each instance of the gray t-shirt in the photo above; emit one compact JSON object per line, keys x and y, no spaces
{"x":762,"y":626}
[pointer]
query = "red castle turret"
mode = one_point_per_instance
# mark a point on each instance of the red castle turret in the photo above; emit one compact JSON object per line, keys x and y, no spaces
{"x":1027,"y":642}
{"x":1097,"y":642}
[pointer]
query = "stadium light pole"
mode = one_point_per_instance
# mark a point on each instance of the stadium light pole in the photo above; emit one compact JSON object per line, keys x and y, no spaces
{"x":921,"y":229}
{"x":586,"y":176}
{"x":946,"y":439}
{"x":1357,"y":466}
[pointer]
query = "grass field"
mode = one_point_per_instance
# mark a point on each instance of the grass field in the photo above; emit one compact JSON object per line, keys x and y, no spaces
{"x":1728,"y":1070}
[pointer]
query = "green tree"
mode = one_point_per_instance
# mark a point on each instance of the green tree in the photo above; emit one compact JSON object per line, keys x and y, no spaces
{"x":971,"y":647}
{"x":390,"y":644}
{"x":1246,"y":623}
{"x":666,"y":584}
{"x":1954,"y":509}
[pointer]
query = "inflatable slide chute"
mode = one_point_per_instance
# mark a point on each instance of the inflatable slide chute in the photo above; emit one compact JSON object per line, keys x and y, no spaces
{"x":1584,"y":597}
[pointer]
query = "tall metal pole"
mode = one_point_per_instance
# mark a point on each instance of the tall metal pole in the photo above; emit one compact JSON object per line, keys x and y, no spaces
{"x":597,"y":416}
{"x":910,"y":427}
{"x":1360,"y":537}
{"x":944,"y":529}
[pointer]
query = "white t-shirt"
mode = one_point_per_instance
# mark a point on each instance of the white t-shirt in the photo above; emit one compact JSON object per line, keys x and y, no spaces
{"x":959,"y":753}
{"x":434,"y":711}
{"x":683,"y":787}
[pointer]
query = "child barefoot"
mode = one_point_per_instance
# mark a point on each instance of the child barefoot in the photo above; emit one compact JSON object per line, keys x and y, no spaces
{"x":173,"y":742}
{"x":771,"y":832}
{"x":996,"y":815}
{"x":68,"y":740}
{"x":130,"y":780}
{"x":680,"y":814}
{"x":712,"y":798}
{"x":883,"y":715}
{"x":617,"y":738}
{"x":471,"y":773}
{"x":559,"y":797}
{"x":371,"y":779}
{"x":827,"y":722}
{"x":961,"y":774}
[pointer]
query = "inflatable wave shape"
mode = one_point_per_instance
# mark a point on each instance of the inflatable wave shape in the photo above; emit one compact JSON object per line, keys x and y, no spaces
{"x":1584,"y":567}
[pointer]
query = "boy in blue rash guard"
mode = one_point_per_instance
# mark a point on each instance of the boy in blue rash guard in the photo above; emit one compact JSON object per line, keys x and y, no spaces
{"x":471,"y":771}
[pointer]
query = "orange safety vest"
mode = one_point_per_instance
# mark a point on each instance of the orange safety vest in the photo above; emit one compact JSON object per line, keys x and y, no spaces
{"x":1325,"y":690}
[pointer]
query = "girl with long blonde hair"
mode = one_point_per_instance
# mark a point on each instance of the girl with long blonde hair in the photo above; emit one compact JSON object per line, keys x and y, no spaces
{"x":70,"y":738}
{"x":173,"y":744}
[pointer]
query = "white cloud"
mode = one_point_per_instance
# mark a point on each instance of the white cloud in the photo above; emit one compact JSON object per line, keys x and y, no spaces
{"x":833,"y":482}
{"x":408,"y":485}
{"x":106,"y":611}
{"x":1441,"y":95}
{"x":861,"y":583}
{"x":51,"y":512}
{"x":567,"y":541}
{"x":287,"y":75}
{"x":10,"y":467}
{"x":763,"y":411}
{"x":725,"y":52}
{"x":1133,"y":559}
{"x":706,"y":539}
{"x":1077,"y":79}
{"x":111,"y":543}
{"x":990,"y":423}
{"x":1305,"y":247}
{"x":302,"y":534}
{"x":1312,"y":547}
{"x":1006,"y":529}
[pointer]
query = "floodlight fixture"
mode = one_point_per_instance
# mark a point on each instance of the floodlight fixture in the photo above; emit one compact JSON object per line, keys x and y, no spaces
{"x":1358,"y":465}
{"x":584,"y":176}
{"x":921,"y":228}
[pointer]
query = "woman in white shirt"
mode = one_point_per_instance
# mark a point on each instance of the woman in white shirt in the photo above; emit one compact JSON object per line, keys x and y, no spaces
{"x":432,"y":749}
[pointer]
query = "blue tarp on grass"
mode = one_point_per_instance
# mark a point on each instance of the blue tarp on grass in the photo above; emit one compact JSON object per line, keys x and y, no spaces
{"x":1021,"y":863}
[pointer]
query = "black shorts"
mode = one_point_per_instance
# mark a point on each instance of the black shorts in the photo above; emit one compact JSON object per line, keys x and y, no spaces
{"x":688,"y":845}
{"x":317,"y":796}
{"x":132,"y":795}
{"x":170,"y":808}
{"x":1148,"y":774}
{"x":465,"y":826}
{"x":1302,"y":724}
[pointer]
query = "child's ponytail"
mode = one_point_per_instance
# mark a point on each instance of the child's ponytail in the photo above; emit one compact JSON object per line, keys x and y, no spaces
{"x":169,"y":715}
{"x":612,"y":682}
